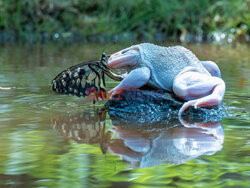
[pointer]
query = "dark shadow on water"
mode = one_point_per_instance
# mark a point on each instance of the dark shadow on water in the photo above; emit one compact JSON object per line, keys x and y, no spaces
{"x":147,"y":145}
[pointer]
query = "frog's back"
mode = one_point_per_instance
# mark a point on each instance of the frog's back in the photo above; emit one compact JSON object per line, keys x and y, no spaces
{"x":169,"y":62}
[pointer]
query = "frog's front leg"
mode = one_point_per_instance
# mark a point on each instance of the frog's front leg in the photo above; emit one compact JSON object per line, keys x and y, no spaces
{"x":129,"y":59}
{"x":199,"y":90}
{"x":135,"y":79}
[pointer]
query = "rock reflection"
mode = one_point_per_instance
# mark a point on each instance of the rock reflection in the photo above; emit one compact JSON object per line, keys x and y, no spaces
{"x":146,"y":145}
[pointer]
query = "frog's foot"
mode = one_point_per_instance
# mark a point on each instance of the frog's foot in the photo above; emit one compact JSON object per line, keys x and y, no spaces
{"x":208,"y":101}
{"x":135,"y":79}
{"x":117,"y":94}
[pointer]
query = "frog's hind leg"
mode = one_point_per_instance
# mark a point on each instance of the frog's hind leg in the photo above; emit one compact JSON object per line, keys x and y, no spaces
{"x":212,"y":68}
{"x":200,"y":90}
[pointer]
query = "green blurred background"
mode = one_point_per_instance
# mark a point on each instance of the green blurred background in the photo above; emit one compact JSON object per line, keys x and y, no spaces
{"x":125,"y":20}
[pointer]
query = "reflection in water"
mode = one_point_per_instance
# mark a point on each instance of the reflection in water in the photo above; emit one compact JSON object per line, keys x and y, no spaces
{"x":174,"y":146}
{"x":148,"y":145}
{"x":84,"y":128}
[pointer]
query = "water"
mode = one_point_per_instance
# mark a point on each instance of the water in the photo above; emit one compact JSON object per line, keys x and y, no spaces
{"x":50,"y":140}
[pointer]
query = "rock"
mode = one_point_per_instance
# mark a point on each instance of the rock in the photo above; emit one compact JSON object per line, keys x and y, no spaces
{"x":156,"y":106}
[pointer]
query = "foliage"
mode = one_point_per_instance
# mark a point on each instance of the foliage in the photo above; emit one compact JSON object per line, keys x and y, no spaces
{"x":117,"y":19}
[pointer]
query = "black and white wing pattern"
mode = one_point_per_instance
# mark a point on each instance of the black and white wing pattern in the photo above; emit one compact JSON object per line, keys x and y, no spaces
{"x":81,"y":80}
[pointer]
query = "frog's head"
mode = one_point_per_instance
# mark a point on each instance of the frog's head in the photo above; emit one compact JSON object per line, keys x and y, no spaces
{"x":125,"y":59}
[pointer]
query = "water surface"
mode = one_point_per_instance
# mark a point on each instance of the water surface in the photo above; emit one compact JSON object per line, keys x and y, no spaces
{"x":50,"y":140}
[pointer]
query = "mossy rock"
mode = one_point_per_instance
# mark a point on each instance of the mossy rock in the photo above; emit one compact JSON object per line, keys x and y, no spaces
{"x":154,"y":106}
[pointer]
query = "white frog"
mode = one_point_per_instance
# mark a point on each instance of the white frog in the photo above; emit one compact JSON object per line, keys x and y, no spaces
{"x":173,"y":69}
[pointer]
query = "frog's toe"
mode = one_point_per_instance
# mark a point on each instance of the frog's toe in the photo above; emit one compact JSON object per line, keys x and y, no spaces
{"x":208,"y":101}
{"x":117,"y":94}
{"x":186,"y":105}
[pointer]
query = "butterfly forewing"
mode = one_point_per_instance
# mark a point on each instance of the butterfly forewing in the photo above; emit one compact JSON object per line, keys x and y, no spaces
{"x":81,"y":80}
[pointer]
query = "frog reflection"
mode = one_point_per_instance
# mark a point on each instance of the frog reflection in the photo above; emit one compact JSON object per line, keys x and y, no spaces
{"x":173,"y":146}
{"x":147,"y":145}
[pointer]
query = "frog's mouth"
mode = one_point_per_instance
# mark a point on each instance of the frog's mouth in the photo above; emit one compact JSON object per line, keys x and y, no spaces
{"x":124,"y":59}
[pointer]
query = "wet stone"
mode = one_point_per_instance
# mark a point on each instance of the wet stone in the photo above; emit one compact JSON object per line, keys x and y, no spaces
{"x":70,"y":74}
{"x":78,"y":81}
{"x":154,"y":106}
{"x":76,"y":74}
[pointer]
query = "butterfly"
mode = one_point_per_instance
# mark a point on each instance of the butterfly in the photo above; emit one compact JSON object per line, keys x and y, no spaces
{"x":85,"y":78}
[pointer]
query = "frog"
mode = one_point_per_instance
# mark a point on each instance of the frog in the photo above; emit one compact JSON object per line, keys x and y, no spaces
{"x":173,"y":69}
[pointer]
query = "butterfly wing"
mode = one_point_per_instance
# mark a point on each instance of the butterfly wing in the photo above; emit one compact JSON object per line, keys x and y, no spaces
{"x":81,"y":80}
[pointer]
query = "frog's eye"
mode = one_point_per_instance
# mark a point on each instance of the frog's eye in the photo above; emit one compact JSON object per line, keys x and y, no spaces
{"x":124,"y":51}
{"x":133,"y":50}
